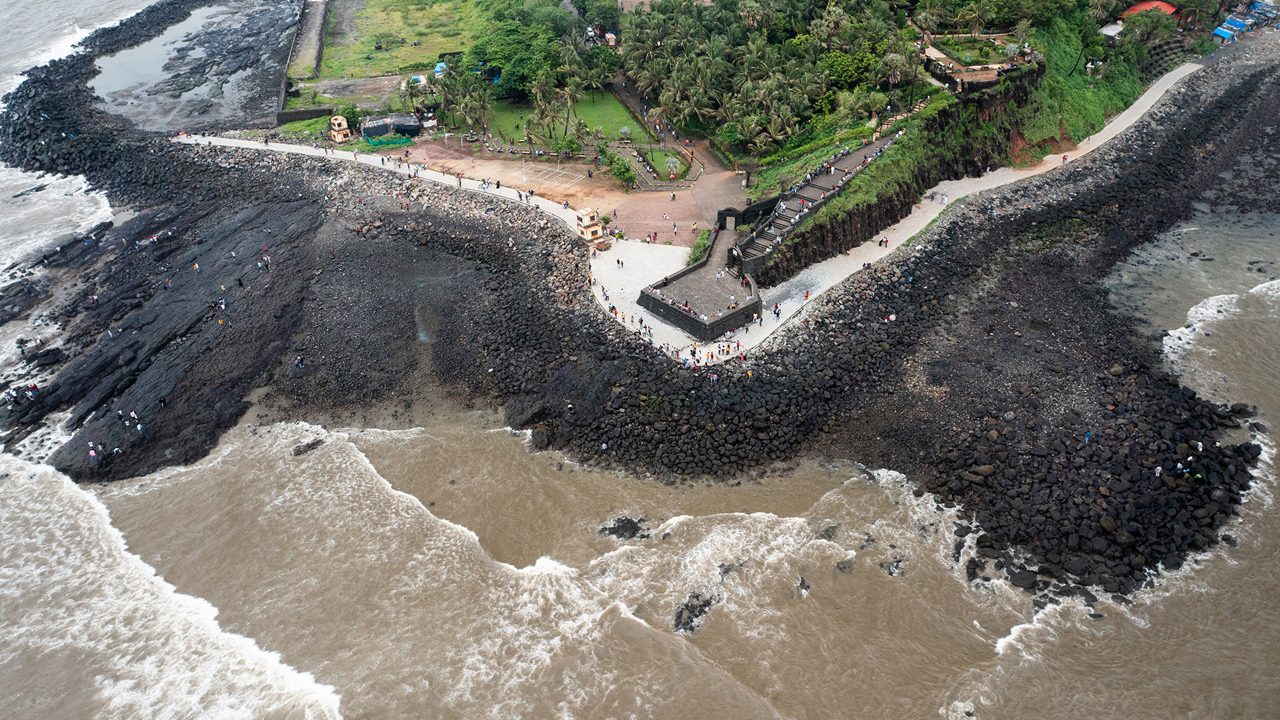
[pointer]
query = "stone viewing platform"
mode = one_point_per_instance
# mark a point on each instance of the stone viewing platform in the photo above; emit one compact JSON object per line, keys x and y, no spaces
{"x":707,"y":299}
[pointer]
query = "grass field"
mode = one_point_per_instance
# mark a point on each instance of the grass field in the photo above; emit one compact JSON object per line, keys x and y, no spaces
{"x":312,"y":130}
{"x":970,"y":51}
{"x":658,"y":159}
{"x":604,"y":111}
{"x":438,"y":27}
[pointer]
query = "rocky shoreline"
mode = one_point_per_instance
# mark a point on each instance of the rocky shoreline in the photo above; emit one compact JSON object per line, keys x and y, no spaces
{"x":1004,"y":383}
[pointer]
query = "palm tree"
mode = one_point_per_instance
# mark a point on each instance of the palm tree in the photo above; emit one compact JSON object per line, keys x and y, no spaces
{"x":826,"y":28}
{"x":672,"y":165}
{"x":893,"y":67}
{"x":1198,"y":9}
{"x":482,"y":107}
{"x":928,"y":20}
{"x":1100,"y":10}
{"x":755,"y":14}
{"x":1022,"y":31}
{"x":410,"y":92}
{"x":567,"y":97}
{"x":871,"y":104}
{"x":972,"y":15}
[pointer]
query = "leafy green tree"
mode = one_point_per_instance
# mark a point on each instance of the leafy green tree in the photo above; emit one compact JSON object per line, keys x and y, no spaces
{"x":352,"y":113}
{"x":519,"y":51}
{"x":840,"y":69}
{"x":603,"y":13}
{"x":1148,"y":28}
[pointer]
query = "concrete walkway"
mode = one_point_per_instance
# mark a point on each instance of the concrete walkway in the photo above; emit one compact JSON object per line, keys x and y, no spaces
{"x":390,"y":164}
{"x":645,"y":263}
{"x":820,"y":277}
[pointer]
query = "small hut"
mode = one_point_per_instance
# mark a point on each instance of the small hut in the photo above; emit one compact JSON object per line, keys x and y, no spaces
{"x":589,"y":225}
{"x":339,"y":131}
{"x":395,"y":123}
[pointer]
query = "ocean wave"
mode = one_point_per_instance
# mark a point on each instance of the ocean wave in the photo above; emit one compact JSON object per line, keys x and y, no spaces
{"x":71,"y":590}
{"x":31,"y":224}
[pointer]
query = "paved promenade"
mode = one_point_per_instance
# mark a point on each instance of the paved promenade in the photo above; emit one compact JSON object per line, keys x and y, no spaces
{"x":645,"y":263}
{"x":567,"y":216}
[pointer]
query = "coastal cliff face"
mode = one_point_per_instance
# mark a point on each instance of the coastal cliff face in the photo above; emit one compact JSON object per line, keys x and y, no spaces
{"x":1004,"y":383}
{"x":961,"y":140}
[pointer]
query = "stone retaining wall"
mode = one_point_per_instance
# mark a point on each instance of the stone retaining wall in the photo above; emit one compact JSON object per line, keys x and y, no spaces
{"x":705,"y":331}
{"x":819,"y":240}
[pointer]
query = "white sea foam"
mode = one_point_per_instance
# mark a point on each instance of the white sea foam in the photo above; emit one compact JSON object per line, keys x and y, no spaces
{"x":70,"y":588}
{"x":35,"y":222}
{"x":1179,"y":341}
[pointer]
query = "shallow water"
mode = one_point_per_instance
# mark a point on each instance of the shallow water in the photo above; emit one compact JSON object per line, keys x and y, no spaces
{"x":446,"y":571}
{"x":147,"y":64}
{"x":219,"y":65}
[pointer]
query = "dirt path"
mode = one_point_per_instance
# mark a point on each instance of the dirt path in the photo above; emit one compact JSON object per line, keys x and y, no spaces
{"x":638,"y":214}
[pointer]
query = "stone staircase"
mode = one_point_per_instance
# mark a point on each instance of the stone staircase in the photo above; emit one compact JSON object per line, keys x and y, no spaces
{"x":817,"y":189}
{"x":774,"y":228}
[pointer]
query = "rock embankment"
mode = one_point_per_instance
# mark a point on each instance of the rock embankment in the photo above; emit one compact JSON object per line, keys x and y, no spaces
{"x":983,"y":361}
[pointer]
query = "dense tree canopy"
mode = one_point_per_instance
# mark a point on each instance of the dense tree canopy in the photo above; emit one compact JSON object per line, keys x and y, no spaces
{"x":759,"y":69}
{"x":754,"y":73}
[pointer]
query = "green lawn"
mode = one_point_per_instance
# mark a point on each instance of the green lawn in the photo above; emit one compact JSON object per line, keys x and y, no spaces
{"x":970,"y":50}
{"x":658,"y":159}
{"x":314,"y":129}
{"x":438,"y":26}
{"x":604,"y":111}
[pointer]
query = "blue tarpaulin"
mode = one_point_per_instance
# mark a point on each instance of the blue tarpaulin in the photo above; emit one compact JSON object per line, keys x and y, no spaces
{"x":1225,"y":33}
{"x":1233,"y":22}
{"x":1266,"y":10}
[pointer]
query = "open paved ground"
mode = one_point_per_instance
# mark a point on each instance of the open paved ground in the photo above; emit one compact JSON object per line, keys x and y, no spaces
{"x":640,"y":214}
{"x":644,"y":263}
{"x":558,"y":182}
{"x":822,"y":276}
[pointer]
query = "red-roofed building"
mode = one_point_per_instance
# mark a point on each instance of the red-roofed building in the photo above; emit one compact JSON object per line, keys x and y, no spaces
{"x":1163,"y":7}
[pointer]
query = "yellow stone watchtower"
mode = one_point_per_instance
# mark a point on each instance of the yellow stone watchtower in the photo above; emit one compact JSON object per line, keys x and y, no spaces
{"x":339,"y":132}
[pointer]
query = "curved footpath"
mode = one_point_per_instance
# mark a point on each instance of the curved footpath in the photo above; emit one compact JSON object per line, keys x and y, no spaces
{"x":389,"y":164}
{"x":643,"y":263}
{"x":1006,"y":385}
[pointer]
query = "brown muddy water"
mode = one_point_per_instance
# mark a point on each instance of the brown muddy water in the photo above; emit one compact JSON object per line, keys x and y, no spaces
{"x":446,"y":571}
